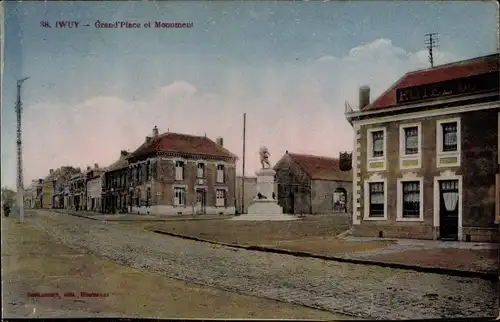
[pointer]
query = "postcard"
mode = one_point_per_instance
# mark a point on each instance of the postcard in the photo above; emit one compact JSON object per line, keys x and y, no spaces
{"x":321,"y":160}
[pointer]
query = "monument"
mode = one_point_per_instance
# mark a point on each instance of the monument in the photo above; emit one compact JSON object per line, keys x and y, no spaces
{"x":264,"y":205}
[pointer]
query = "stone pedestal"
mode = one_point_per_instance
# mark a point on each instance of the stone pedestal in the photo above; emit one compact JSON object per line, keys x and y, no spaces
{"x":266,"y":207}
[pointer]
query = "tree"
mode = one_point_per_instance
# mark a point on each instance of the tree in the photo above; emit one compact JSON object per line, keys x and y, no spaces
{"x":8,"y":196}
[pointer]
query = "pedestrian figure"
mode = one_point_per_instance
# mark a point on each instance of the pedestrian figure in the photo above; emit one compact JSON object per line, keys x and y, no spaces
{"x":6,"y":209}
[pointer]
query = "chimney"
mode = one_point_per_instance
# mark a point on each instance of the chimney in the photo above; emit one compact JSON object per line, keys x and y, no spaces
{"x":155,"y":131}
{"x":286,"y":151}
{"x":96,"y":166}
{"x":219,"y":141}
{"x":148,"y":139}
{"x":88,"y":168}
{"x":51,"y":171}
{"x":364,"y":97}
{"x":78,"y":169}
{"x":123,"y":153}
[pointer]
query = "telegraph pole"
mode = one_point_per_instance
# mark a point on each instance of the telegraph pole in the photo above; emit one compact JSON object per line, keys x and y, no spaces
{"x":432,"y":42}
{"x":20,"y":185}
{"x":243,"y":176}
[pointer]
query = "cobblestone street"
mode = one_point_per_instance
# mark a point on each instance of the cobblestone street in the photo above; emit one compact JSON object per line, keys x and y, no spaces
{"x":350,"y":289}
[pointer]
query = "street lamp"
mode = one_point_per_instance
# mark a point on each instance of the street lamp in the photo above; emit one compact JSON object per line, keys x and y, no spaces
{"x":20,"y":185}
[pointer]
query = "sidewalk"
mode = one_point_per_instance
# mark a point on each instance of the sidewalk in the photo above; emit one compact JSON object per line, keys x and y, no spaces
{"x":34,"y":264}
{"x":132,"y":217}
{"x":451,"y":258}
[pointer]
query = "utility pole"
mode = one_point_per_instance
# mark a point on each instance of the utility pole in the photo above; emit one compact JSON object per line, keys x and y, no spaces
{"x":20,"y":185}
{"x":243,"y":176}
{"x":432,"y":42}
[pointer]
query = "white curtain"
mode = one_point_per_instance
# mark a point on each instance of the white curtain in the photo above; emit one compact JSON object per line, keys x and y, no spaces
{"x":378,"y":144}
{"x":220,"y":175}
{"x":377,"y":198}
{"x":412,"y":197}
{"x":178,"y":172}
{"x":450,"y":200}
{"x":412,"y":142}
{"x":200,"y":170}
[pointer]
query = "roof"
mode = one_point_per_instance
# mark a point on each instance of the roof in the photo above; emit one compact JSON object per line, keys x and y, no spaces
{"x":183,"y":143}
{"x":121,"y":163}
{"x":321,"y":168}
{"x":465,"y":68}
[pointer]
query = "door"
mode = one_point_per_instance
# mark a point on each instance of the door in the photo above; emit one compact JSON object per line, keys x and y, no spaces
{"x":449,"y":199}
{"x":291,"y":203}
{"x":200,"y":201}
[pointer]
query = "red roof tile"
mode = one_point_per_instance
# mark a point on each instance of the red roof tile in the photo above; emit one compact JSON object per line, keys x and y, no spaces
{"x":183,"y":143}
{"x":466,"y":68}
{"x":321,"y":168}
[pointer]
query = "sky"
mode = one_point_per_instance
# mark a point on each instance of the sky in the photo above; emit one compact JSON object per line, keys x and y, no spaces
{"x":290,"y":66}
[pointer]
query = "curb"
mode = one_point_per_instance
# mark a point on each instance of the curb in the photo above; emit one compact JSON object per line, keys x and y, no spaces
{"x":133,"y":220}
{"x":421,"y":269}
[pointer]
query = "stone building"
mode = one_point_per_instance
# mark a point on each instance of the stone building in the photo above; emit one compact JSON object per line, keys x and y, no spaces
{"x":47,"y":197}
{"x":116,"y":196}
{"x":309,"y":184}
{"x":77,"y":191}
{"x":61,"y":180}
{"x":174,"y":173}
{"x":28,"y":197}
{"x":94,"y":178}
{"x":426,"y":154}
{"x":250,"y":191}
{"x":32,"y":194}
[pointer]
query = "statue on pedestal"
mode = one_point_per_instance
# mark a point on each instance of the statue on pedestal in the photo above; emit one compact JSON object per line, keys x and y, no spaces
{"x":264,"y":157}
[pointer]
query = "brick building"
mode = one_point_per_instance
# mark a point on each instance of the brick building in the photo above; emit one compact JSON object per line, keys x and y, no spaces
{"x":426,"y":154}
{"x":173,"y":173}
{"x":309,"y":184}
{"x":115,"y":186}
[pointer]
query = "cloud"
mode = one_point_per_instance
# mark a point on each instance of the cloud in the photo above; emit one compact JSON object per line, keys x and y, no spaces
{"x":327,"y":58}
{"x":297,"y":109}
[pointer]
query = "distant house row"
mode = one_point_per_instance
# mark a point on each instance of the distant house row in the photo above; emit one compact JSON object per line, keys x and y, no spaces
{"x":179,"y":174}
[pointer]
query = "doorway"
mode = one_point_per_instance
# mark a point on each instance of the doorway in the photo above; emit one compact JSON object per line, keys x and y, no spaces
{"x":449,"y":199}
{"x":291,"y":203}
{"x":201,"y":197}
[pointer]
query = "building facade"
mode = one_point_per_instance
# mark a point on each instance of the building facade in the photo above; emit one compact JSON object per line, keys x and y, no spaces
{"x":426,"y":155}
{"x":77,"y":191}
{"x":116,"y":197}
{"x":94,"y":178}
{"x":179,"y":174}
{"x":47,"y":197}
{"x":309,"y":184}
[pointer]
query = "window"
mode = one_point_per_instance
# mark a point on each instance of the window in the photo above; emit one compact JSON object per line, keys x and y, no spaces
{"x":411,"y":199}
{"x":378,"y":144}
{"x":220,"y":198}
{"x":449,"y":136}
{"x":179,"y":170}
{"x":201,"y":171}
{"x":138,"y":198}
{"x":411,"y":140}
{"x":220,"y":173}
{"x":148,"y":197}
{"x":376,"y":199}
{"x":180,"y":196}
{"x":148,"y":171}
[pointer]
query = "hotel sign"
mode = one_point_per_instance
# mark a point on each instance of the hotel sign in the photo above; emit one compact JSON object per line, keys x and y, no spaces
{"x":456,"y":87}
